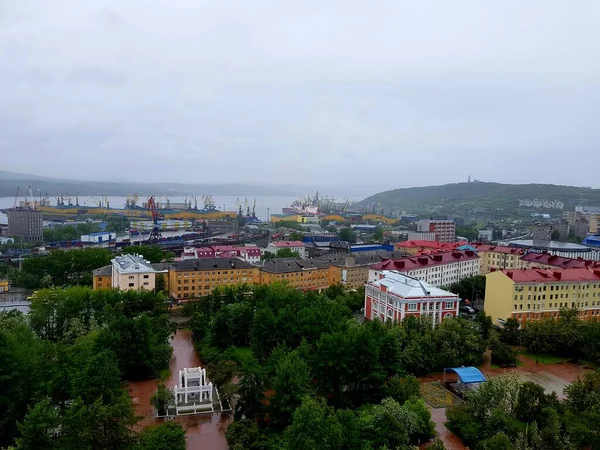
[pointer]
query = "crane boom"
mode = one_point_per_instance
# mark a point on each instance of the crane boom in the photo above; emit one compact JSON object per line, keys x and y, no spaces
{"x":155,"y":234}
{"x":16,"y":197}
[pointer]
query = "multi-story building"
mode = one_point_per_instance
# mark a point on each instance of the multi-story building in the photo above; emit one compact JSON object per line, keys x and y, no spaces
{"x":298,"y":273}
{"x":132,"y":272}
{"x":250,"y":254}
{"x":27,"y":224}
{"x":395,"y":296}
{"x":102,"y":277}
{"x":415,"y":247}
{"x":352,"y":270}
{"x":545,"y":260}
{"x":438,"y":269}
{"x":197,"y":277}
{"x":295,"y":246}
{"x":494,"y":257}
{"x":3,"y":285}
{"x":531,"y":294}
{"x":445,"y":230}
{"x":541,"y":232}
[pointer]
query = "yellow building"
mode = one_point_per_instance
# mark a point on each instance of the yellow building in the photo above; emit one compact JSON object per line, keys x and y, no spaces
{"x":102,"y":278}
{"x":351,"y":270}
{"x":298,"y":273}
{"x":531,"y":294}
{"x":497,"y":257}
{"x":3,"y":285}
{"x":197,"y":277}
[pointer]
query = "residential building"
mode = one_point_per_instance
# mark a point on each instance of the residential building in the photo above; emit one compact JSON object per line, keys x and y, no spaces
{"x":27,"y":224}
{"x":3,"y":285}
{"x":415,"y":247}
{"x":132,"y":272}
{"x":197,"y":277}
{"x":352,"y":270}
{"x":102,"y":278}
{"x":417,"y":236}
{"x":395,"y":296}
{"x":295,"y":246}
{"x":494,"y":257}
{"x":298,"y":273}
{"x":485,"y":235}
{"x":541,"y":232}
{"x":439,"y":269}
{"x":445,"y":230}
{"x":250,"y":254}
{"x":545,"y":260}
{"x":532,"y":294}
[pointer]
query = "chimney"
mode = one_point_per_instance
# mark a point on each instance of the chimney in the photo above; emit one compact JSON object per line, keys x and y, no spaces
{"x":557,"y":274}
{"x":509,"y":273}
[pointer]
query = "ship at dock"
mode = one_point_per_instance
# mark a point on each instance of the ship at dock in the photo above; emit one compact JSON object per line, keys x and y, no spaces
{"x":318,"y":205}
{"x":67,"y":207}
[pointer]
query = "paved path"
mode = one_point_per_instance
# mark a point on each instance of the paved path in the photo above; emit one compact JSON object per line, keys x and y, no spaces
{"x":203,"y":431}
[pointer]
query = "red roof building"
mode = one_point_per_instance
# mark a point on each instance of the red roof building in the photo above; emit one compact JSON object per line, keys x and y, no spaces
{"x":546,"y":261}
{"x":438,"y":269}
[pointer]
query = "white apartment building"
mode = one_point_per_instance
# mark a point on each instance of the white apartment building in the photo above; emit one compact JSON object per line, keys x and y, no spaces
{"x":132,"y":272}
{"x":438,"y":269}
{"x":295,"y":246}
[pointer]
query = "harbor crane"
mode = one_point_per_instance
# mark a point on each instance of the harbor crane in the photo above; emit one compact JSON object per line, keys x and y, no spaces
{"x":155,"y":234}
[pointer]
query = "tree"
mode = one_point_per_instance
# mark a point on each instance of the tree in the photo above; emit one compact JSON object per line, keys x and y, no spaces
{"x":510,"y":332}
{"x":555,"y":235}
{"x":402,"y":388}
{"x":314,"y":426}
{"x":281,"y":253}
{"x":161,"y":284}
{"x":499,"y":441}
{"x":152,"y":253}
{"x":347,"y":234}
{"x":378,"y":234}
{"x":530,"y":401}
{"x":162,"y":399}
{"x":497,"y":393}
{"x":296,"y":236}
{"x":167,"y":436}
{"x":39,"y":427}
{"x":502,"y":354}
{"x":291,"y":382}
{"x":484,"y":323}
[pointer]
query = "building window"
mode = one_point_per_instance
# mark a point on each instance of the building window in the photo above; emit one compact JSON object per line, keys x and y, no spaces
{"x":145,"y":283}
{"x":131,"y":277}
{"x":131,"y":284}
{"x":146,"y":276}
{"x":449,"y":305}
{"x":99,"y":278}
{"x":411,"y":307}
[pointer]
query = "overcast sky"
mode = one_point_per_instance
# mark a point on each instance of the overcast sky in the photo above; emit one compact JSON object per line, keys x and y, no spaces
{"x":380,"y":93}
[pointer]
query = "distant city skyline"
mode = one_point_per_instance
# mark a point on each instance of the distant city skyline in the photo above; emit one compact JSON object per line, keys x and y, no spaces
{"x":380,"y":95}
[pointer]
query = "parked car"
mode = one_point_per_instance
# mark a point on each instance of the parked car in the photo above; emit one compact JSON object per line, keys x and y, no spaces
{"x":466,"y":310}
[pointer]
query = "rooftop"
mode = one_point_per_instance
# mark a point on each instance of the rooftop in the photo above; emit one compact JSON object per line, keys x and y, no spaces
{"x":105,"y":271}
{"x":288,"y":243}
{"x":549,"y":245}
{"x":430,"y":244}
{"x":552,"y":275}
{"x":127,"y":263}
{"x":212,"y":264}
{"x":546,"y":259}
{"x":357,"y":260}
{"x":498,"y":249}
{"x":418,"y":262}
{"x":407,"y":287}
{"x":292,"y":265}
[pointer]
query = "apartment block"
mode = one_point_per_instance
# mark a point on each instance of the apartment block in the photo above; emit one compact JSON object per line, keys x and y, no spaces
{"x":395,"y":296}
{"x":439,"y":269}
{"x":444,"y":230}
{"x":498,"y":257}
{"x":197,"y":277}
{"x":295,"y":246}
{"x":132,"y":272}
{"x":298,"y":273}
{"x":531,"y":294}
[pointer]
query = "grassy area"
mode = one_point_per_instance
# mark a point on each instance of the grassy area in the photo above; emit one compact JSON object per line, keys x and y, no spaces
{"x":546,"y":359}
{"x":242,"y":353}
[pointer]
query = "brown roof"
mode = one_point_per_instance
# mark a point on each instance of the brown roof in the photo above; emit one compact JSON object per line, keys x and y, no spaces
{"x":552,"y":275}
{"x":292,"y":265}
{"x":547,"y":259}
{"x":418,"y":262}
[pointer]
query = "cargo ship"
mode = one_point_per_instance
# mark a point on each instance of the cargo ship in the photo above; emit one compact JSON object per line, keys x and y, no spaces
{"x":65,"y":208}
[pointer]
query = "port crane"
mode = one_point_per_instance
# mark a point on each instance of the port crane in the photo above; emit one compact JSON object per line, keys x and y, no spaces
{"x":155,"y":234}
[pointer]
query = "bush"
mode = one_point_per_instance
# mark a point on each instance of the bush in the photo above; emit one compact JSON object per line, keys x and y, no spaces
{"x":162,"y":399}
{"x":502,"y":354}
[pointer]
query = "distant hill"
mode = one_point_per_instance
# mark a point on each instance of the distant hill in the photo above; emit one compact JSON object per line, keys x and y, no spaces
{"x":476,"y":197}
{"x":9,"y":182}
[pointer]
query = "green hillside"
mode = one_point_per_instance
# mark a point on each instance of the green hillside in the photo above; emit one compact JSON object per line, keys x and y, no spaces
{"x":479,"y":198}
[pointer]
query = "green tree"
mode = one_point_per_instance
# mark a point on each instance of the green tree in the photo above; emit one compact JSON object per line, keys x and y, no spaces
{"x":281,"y":253}
{"x":484,"y":323}
{"x":402,"y":388}
{"x":161,"y":284}
{"x":167,"y":436}
{"x":378,"y":235}
{"x":152,"y":253}
{"x":502,"y":354}
{"x":510,"y":332}
{"x":314,"y":426}
{"x":39,"y":427}
{"x":499,"y":441}
{"x":296,"y":236}
{"x":530,"y":401}
{"x":162,"y":399}
{"x":291,"y":382}
{"x":347,"y":234}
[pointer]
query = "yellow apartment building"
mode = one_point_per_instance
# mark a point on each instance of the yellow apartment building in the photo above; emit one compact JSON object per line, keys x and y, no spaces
{"x":498,"y":257}
{"x":193,"y":278}
{"x":531,"y":294}
{"x":298,"y":273}
{"x":129,"y":272}
{"x":102,"y":278}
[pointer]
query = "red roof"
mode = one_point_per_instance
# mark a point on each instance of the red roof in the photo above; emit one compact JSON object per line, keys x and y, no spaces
{"x":499,"y":249}
{"x":418,"y":262}
{"x":547,"y":259}
{"x":289,"y":244}
{"x":552,"y":275}
{"x":434,"y":245}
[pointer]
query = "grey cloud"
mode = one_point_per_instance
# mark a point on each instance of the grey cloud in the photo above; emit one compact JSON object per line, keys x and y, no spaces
{"x":394,"y":93}
{"x":95,"y":76}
